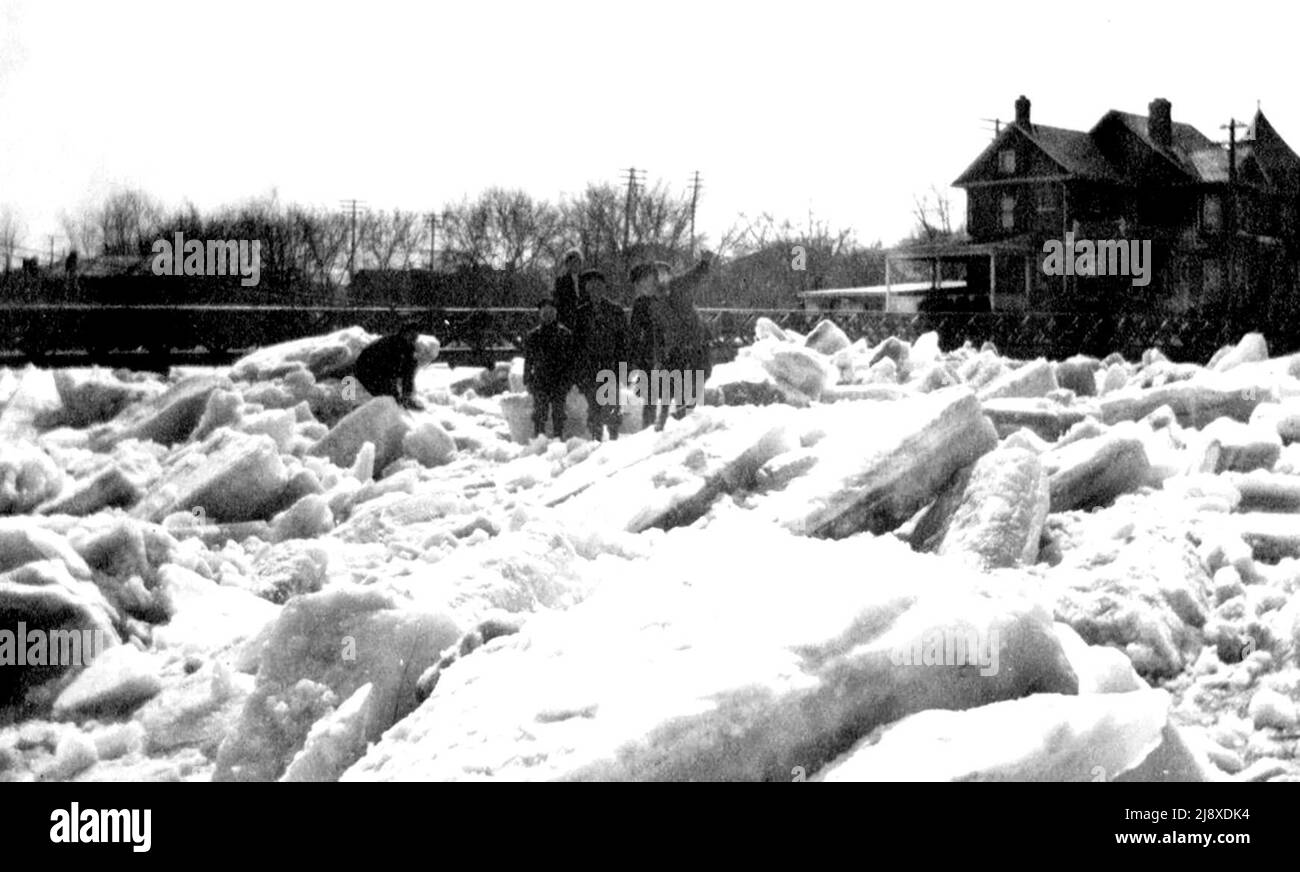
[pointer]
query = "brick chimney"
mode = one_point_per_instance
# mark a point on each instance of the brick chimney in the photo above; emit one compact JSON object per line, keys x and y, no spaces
{"x":1160,"y":127}
{"x":1022,"y":111}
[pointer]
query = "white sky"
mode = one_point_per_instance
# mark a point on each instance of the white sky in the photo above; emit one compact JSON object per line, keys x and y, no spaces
{"x":846,"y":108}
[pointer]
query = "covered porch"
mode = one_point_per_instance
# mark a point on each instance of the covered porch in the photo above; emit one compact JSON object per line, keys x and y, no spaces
{"x":998,"y":276}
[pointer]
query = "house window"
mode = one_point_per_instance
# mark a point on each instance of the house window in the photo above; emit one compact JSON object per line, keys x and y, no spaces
{"x":1046,"y":200}
{"x":1212,"y":213}
{"x":1212,"y":278}
{"x":1007,"y":161}
{"x":1008,"y":212}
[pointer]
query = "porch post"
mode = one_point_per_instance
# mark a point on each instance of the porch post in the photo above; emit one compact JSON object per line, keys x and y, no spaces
{"x":993,"y":281}
{"x":886,"y":282}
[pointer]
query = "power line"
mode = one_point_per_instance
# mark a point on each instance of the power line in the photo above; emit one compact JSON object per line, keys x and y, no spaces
{"x":1231,"y":127}
{"x":351,"y":206}
{"x":633,"y":177}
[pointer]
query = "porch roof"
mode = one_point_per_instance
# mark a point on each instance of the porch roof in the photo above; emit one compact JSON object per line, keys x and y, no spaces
{"x":1022,"y":244}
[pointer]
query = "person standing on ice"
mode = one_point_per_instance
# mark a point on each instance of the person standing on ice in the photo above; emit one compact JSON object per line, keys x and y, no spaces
{"x":677,"y":337}
{"x":548,"y":368}
{"x":645,"y":337}
{"x":569,"y":297}
{"x":573,"y":307}
{"x":599,"y":350}
{"x":386,"y":367}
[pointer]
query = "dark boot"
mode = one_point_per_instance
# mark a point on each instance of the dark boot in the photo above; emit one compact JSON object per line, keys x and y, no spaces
{"x":539,"y":416}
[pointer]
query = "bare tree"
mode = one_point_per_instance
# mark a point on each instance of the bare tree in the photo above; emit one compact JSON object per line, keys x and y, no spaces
{"x":593,"y":220}
{"x":933,"y":220}
{"x":12,"y":232}
{"x":391,"y":239}
{"x":522,"y":228}
{"x":322,"y":240}
{"x":749,"y":235}
{"x":128,"y":221}
{"x":662,"y":220}
{"x":467,"y":229}
{"x":771,"y":260}
{"x":82,"y":231}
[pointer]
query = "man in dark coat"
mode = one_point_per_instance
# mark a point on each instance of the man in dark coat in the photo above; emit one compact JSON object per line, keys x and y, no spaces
{"x":599,"y":351}
{"x":548,"y":368}
{"x":568,"y":296}
{"x":668,"y":341}
{"x":386,"y":367}
{"x":685,"y":340}
{"x":645,"y":336}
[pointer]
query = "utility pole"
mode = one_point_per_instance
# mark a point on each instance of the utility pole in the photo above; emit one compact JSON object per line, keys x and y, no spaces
{"x":1230,"y":208}
{"x":51,"y":238}
{"x":695,"y":196}
{"x":632,"y":177}
{"x":1231,"y":127}
{"x":351,"y":206}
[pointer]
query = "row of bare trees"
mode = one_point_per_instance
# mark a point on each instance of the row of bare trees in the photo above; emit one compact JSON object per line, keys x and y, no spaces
{"x":512,"y":231}
{"x":506,"y":229}
{"x":312,"y":251}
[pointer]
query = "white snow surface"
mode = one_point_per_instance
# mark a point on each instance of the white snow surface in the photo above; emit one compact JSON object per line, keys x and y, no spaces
{"x":699,"y":604}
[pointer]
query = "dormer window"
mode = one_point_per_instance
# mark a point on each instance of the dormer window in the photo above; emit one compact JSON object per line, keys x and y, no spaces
{"x":1006,"y":161}
{"x":1008,"y":212}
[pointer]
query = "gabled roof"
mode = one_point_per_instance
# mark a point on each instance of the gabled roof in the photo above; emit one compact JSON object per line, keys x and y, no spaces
{"x":1189,"y":151}
{"x":1279,"y":164}
{"x":1072,"y":150}
{"x":1186,"y":138}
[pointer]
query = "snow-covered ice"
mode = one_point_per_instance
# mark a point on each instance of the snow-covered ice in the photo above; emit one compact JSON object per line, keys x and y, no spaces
{"x":852,"y":562}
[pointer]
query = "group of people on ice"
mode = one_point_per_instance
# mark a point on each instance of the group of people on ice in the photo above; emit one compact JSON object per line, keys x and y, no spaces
{"x":585,"y":340}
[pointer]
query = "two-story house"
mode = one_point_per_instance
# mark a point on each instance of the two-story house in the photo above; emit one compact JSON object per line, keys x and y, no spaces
{"x":1221,"y":220}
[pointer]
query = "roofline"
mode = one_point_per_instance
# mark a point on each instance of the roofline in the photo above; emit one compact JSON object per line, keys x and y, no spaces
{"x":1146,"y":139}
{"x":1025,"y":180}
{"x":997,"y":140}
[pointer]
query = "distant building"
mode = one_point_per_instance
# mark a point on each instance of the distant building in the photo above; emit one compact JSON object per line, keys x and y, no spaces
{"x":1222,"y":222}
